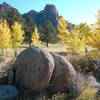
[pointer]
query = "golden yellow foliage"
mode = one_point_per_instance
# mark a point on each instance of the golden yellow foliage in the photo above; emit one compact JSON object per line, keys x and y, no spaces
{"x":16,"y":35}
{"x":64,"y":33}
{"x":93,"y":39}
{"x":35,"y":37}
{"x":74,"y":44}
{"x":4,"y":35}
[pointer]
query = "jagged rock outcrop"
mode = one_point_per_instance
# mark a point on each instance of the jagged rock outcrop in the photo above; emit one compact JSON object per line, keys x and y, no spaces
{"x":49,"y":13}
{"x":39,"y":70}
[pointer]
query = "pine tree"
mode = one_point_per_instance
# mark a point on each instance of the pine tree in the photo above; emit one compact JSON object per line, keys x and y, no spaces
{"x":13,"y":15}
{"x":48,"y":32}
{"x":4,"y":35}
{"x":35,"y":37}
{"x":29,"y":25}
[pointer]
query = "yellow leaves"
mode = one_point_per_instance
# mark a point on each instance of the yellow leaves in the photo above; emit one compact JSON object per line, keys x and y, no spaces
{"x":4,"y":35}
{"x":16,"y":35}
{"x":94,"y":40}
{"x":73,"y":39}
{"x":62,"y":23}
{"x":62,"y":26}
{"x":75,"y":44}
{"x":35,"y":37}
{"x":94,"y":37}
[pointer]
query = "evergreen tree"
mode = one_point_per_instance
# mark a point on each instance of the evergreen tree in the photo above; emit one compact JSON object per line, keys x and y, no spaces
{"x":48,"y":32}
{"x":29,"y":26}
{"x":12,"y":16}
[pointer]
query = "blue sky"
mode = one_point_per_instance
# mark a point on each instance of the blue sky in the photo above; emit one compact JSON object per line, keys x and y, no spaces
{"x":75,"y":11}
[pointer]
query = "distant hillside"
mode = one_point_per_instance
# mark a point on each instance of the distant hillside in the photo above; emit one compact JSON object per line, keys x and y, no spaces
{"x":10,"y":14}
{"x":49,"y":13}
{"x":4,"y":9}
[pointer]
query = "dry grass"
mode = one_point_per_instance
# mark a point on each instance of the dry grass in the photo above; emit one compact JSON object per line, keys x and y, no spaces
{"x":88,"y":94}
{"x":77,"y":61}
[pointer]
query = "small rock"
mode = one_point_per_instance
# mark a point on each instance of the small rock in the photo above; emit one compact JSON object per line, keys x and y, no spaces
{"x":8,"y":92}
{"x":93,"y":82}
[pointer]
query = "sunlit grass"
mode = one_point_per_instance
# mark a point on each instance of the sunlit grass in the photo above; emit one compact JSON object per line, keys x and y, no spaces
{"x":88,"y":94}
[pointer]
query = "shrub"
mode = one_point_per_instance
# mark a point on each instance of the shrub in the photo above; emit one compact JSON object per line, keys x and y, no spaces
{"x":85,"y":63}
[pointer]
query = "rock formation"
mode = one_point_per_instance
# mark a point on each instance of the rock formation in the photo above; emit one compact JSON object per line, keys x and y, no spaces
{"x":64,"y":78}
{"x":39,"y":70}
{"x":49,"y":13}
{"x":34,"y":68}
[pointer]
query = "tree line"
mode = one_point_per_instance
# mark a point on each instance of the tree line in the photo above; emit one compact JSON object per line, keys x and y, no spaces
{"x":14,"y":36}
{"x":81,"y":37}
{"x":77,"y":40}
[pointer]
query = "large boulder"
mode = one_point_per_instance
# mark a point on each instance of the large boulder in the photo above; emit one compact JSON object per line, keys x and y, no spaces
{"x":64,"y":78}
{"x":39,"y":70}
{"x":8,"y":92}
{"x":34,"y":68}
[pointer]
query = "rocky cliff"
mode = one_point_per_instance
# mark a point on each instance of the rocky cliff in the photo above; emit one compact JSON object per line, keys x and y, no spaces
{"x":49,"y":13}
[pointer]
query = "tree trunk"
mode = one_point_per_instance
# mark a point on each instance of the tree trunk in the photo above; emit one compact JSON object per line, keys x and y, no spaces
{"x":6,"y":53}
{"x":20,"y":50}
{"x":2,"y":52}
{"x":47,"y":43}
{"x":86,"y":50}
{"x":15,"y":53}
{"x":29,"y":44}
